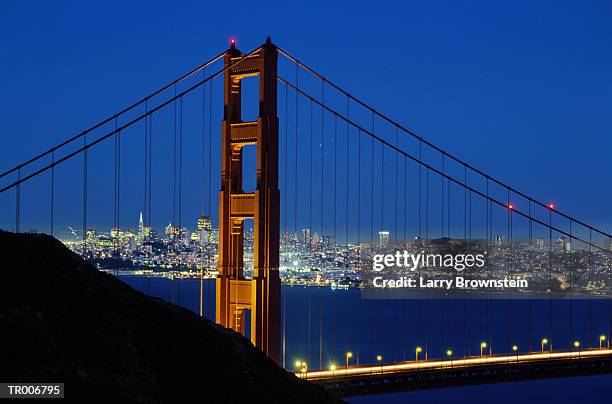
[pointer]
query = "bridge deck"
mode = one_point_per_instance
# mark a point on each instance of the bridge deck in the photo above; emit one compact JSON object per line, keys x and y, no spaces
{"x":415,"y":375}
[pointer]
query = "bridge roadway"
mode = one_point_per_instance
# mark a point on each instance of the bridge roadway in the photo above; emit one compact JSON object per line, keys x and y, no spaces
{"x":424,"y":374}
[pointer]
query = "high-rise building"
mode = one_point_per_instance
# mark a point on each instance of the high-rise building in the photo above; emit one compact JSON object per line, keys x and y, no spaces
{"x":205,"y":228}
{"x":204,"y":223}
{"x":306,"y":235}
{"x":383,"y":238}
{"x":140,"y":224}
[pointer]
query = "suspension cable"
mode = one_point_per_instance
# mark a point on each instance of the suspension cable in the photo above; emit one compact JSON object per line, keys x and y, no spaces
{"x":437,"y":171}
{"x":116,"y":115}
{"x":421,"y":139}
{"x":121,"y":128}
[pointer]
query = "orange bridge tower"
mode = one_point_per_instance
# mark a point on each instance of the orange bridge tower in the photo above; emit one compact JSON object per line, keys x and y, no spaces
{"x":235,"y":294}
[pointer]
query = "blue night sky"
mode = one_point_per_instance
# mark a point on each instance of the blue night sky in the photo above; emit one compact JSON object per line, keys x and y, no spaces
{"x":521,"y":89}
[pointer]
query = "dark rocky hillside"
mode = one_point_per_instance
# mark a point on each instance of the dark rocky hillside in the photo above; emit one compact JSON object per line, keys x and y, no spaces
{"x":64,"y":321}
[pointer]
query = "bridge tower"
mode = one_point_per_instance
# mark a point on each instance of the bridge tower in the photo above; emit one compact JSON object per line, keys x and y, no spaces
{"x":261,"y":294}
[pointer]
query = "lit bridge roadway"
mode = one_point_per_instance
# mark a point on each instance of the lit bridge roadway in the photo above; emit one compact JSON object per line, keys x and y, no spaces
{"x":424,"y":374}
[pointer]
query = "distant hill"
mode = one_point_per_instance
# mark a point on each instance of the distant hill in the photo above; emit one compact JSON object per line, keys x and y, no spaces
{"x":64,"y":321}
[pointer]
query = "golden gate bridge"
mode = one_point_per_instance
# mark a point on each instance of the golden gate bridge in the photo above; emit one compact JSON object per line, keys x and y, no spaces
{"x":315,"y":159}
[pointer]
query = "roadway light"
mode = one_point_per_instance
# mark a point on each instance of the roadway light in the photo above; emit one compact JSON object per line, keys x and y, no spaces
{"x":514,"y":348}
{"x":602,"y":338}
{"x":417,"y":351}
{"x":449,"y":352}
{"x":577,"y":345}
{"x":348,"y":355}
{"x":379,"y":358}
{"x":544,"y":342}
{"x":298,"y":364}
{"x":333,"y":369}
{"x":483,"y":345}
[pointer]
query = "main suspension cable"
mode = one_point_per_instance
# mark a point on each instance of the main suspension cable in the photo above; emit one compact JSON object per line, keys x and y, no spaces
{"x":436,"y":148}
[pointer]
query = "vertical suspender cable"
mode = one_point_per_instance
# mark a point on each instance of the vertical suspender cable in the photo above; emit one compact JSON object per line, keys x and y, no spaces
{"x":509,"y":269}
{"x":530,"y":301}
{"x":419,"y":219}
{"x":149,"y":183}
{"x":396,"y":185}
{"x":285,"y":159}
{"x":145,"y":205}
{"x":488,"y":235}
{"x":116,"y":239}
{"x":18,"y":201}
{"x":590,"y":300}
{"x":442,"y":330}
{"x":174,"y":136}
{"x":146,"y":161}
{"x":465,"y":240}
{"x":348,"y":114}
{"x":448,"y":221}
{"x":443,"y":198}
{"x":209,"y":259}
{"x":85,"y":197}
{"x":571,"y":282}
{"x":382,"y":186}
{"x":550,"y":278}
{"x":180,"y":188}
{"x":286,"y":239}
{"x":310,"y":237}
{"x":426,"y":243}
{"x":322,"y":244}
{"x":420,"y":166}
{"x":295,"y":185}
{"x":202,"y":185}
{"x":52,"y":190}
{"x":180,"y":167}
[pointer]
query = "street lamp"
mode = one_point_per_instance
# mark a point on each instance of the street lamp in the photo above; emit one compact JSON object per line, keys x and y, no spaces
{"x":602,"y":338}
{"x":544,"y":342}
{"x":417,"y":351}
{"x":348,"y":355}
{"x":449,"y":353}
{"x":333,"y":369}
{"x":577,"y":346}
{"x":379,"y":358}
{"x":305,"y":370}
{"x":483,"y":345}
{"x":515,"y":349}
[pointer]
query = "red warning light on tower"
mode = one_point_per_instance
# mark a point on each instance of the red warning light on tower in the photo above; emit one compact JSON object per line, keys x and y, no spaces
{"x":551,"y":206}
